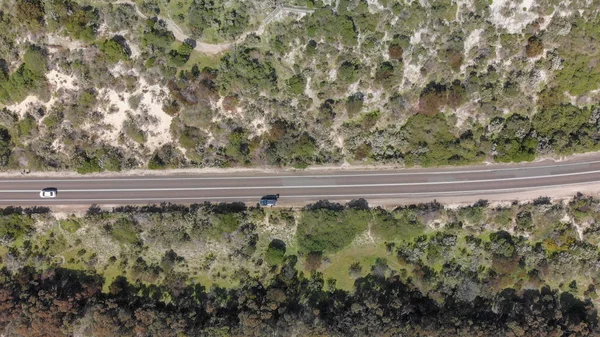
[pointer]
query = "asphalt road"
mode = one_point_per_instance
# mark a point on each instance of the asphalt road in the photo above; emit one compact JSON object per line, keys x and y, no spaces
{"x":304,"y":186}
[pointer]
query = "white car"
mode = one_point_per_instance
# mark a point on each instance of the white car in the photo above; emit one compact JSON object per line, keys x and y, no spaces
{"x":49,"y":192}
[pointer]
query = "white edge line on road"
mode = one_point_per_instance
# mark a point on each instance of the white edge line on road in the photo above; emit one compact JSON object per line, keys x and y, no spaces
{"x":429,"y":194}
{"x":313,"y":186}
{"x":275,"y":176}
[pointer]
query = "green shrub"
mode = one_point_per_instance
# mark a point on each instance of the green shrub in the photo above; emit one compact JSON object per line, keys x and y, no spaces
{"x":325,"y":230}
{"x":191,"y":137}
{"x":580,"y":72}
{"x":287,"y":146}
{"x":516,"y":150}
{"x":524,"y":220}
{"x":398,"y":225}
{"x":354,"y":104}
{"x":15,"y":226}
{"x":275,"y":252}
{"x":90,"y":165}
{"x":348,"y":72}
{"x":325,"y":23}
{"x":296,"y":84}
{"x":52,"y":120}
{"x":179,"y":57}
{"x":81,"y":23}
{"x":134,"y":132}
{"x":156,"y":38}
{"x":28,"y":76}
{"x":473,"y":214}
{"x":246,"y":71}
{"x":165,"y":157}
{"x":113,"y":50}
{"x":225,"y":223}
{"x":431,"y":140}
{"x":5,"y":146}
{"x":238,"y":148}
{"x":27,"y":125}
{"x":501,"y":244}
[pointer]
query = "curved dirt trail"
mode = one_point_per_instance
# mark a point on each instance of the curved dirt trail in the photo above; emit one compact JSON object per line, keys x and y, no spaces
{"x":217,"y":48}
{"x":202,"y":47}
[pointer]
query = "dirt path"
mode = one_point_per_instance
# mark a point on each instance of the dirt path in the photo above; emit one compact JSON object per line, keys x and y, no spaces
{"x":202,"y":47}
{"x":217,"y":48}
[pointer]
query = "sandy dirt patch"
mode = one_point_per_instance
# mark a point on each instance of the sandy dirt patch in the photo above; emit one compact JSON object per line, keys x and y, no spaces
{"x":511,"y":15}
{"x":116,"y":111}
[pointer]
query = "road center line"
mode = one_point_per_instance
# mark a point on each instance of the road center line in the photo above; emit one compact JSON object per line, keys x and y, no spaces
{"x":307,"y":196}
{"x":313,"y":186}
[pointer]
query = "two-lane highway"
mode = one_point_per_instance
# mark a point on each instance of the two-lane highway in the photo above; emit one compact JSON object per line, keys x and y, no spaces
{"x":304,"y":186}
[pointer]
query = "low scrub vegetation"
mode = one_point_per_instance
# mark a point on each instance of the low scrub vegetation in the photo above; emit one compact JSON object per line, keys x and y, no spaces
{"x":445,"y":261}
{"x":408,"y":84}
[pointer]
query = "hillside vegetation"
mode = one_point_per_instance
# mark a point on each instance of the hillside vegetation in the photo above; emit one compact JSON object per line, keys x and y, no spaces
{"x":98,"y":85}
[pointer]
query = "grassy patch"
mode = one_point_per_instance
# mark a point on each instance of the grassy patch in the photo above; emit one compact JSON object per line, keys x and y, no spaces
{"x":70,"y":225}
{"x":3,"y":251}
{"x":202,"y":61}
{"x":324,"y":230}
{"x":339,"y":264}
{"x":178,"y":10}
{"x":225,"y":223}
{"x":124,"y":231}
{"x":110,"y":274}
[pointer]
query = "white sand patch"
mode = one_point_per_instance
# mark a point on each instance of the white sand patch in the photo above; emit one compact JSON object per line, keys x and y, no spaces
{"x":511,"y":15}
{"x":115,"y":113}
{"x":118,"y":70}
{"x":546,"y":21}
{"x":374,"y":97}
{"x":135,"y":50}
{"x":57,"y":145}
{"x":375,"y":6}
{"x":472,"y":40}
{"x":64,"y":42}
{"x":116,"y":110}
{"x":308,"y":91}
{"x":412,"y":73}
{"x":210,"y":138}
{"x":463,"y":113}
{"x":332,"y":75}
{"x":463,"y":6}
{"x":152,"y":103}
{"x":339,"y":141}
{"x":416,"y":37}
{"x":30,"y":102}
{"x":60,"y":80}
{"x":259,"y":126}
{"x":352,"y":88}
